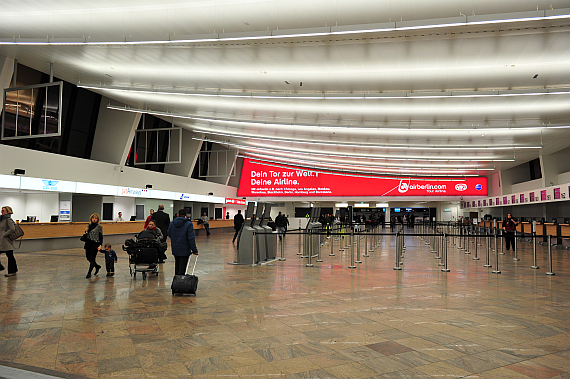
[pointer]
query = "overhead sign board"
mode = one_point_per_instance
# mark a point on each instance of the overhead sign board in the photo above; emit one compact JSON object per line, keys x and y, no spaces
{"x":38,"y":184}
{"x":234,"y":201}
{"x":261,"y":179}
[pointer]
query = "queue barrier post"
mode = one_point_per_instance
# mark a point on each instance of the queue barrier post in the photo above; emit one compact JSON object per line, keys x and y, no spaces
{"x":550,"y":272}
{"x":397,"y":267}
{"x":253,"y":246}
{"x":487,"y":243}
{"x":496,"y":270}
{"x":282,"y":258}
{"x":351,"y":249}
{"x":516,"y":258}
{"x":534,"y":265}
{"x":445,"y":269}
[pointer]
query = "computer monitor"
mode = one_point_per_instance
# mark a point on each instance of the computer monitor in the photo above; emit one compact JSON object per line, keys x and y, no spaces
{"x":31,"y":218}
{"x":133,"y":218}
{"x":54,"y":218}
{"x":258,"y":213}
{"x":266,"y":215}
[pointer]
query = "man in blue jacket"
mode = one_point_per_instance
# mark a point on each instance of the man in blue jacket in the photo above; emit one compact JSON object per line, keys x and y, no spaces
{"x":182,"y":241}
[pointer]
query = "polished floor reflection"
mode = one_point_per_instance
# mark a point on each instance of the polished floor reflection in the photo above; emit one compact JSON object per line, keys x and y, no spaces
{"x":285,"y":320}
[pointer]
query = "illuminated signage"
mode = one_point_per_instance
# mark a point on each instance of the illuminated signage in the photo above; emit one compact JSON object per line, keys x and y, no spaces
{"x":259,"y":179}
{"x":513,"y":199}
{"x":47,"y":185}
{"x":556,"y":193}
{"x":531,"y":197}
{"x":234,"y":201}
{"x":497,"y":201}
{"x":522,"y":197}
{"x":485,"y":202}
{"x":133,"y":192}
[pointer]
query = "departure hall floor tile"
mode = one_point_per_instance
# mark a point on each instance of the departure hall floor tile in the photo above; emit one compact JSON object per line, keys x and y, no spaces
{"x":286,"y":320}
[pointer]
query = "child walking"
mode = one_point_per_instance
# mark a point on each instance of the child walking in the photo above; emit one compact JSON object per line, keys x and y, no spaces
{"x":110,"y":259}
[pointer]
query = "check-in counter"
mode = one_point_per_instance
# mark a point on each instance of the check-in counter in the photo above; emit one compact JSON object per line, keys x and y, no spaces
{"x":565,"y":235}
{"x":551,"y":229}
{"x":40,"y":236}
{"x":219,"y":225}
{"x":37,"y":230}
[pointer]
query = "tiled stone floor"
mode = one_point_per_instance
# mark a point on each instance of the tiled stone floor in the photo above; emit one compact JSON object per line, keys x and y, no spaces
{"x":290,"y":321}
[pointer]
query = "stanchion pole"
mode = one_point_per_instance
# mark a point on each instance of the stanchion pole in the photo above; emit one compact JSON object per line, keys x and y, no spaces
{"x":366,"y":245}
{"x":358,"y":249}
{"x":299,"y":252}
{"x":440,"y":251}
{"x":254,"y":258}
{"x":496,"y":270}
{"x":398,"y":267}
{"x":534,"y":266}
{"x":501,"y":234}
{"x":550,"y":272}
{"x":319,"y":247}
{"x":476,"y":258}
{"x":467,"y":244}
{"x":445,"y":269}
{"x":352,"y":265}
{"x":332,"y":244}
{"x":310,"y":249}
{"x":487,"y":243}
{"x":515,"y":247}
{"x":282,"y":249}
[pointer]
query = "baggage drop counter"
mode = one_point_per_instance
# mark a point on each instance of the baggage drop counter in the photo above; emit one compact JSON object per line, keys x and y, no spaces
{"x":255,"y":232}
{"x":39,"y":236}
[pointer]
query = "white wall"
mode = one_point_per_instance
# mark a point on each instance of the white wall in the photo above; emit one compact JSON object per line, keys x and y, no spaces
{"x":54,"y":166}
{"x":18,"y":203}
{"x":40,"y":205}
{"x":564,"y":177}
{"x":527,"y":186}
{"x":125,"y":205}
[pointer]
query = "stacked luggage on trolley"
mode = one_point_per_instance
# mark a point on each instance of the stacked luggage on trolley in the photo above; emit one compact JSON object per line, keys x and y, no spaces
{"x":145,"y":252}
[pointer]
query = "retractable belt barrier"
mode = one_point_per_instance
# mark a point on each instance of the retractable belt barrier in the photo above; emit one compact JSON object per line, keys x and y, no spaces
{"x":465,"y":238}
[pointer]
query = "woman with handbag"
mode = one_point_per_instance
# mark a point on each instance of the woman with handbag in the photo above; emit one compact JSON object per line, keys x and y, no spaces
{"x":7,"y":228}
{"x":93,"y":239}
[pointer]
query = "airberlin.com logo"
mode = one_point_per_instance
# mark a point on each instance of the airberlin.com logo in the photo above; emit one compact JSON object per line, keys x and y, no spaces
{"x":461,"y":187}
{"x":403,"y":187}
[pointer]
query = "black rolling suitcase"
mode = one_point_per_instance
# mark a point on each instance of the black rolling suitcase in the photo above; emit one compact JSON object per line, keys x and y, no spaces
{"x":185,"y":284}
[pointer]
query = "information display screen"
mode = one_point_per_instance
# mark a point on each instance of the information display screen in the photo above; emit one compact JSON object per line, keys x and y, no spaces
{"x":263,"y":179}
{"x":522,"y":197}
{"x":556,"y":193}
{"x":513,"y":199}
{"x":543,"y":195}
{"x":531,"y":197}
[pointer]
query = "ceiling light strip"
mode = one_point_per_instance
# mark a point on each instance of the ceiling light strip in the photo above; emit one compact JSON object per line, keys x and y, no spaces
{"x":485,"y":129}
{"x":358,"y":173}
{"x":367,"y":156}
{"x":369,"y":145}
{"x":358,"y":161}
{"x":358,"y":167}
{"x":336,"y":96}
{"x":461,"y":21}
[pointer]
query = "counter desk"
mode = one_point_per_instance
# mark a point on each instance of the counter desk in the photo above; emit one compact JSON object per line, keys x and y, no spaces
{"x":41,"y":236}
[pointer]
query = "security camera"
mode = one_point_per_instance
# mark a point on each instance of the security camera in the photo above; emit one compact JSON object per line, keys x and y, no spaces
{"x":121,"y":169}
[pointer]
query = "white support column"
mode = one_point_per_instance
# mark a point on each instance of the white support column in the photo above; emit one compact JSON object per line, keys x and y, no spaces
{"x":549,"y":169}
{"x":114,"y":134}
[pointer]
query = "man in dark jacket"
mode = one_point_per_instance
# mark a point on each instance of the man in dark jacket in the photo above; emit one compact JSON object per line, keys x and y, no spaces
{"x":280,"y":223}
{"x":182,"y":241}
{"x":238,"y":222}
{"x":162,"y":221}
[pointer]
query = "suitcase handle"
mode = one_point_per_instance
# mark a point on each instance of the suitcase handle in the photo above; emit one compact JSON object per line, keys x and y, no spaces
{"x":188,"y":264}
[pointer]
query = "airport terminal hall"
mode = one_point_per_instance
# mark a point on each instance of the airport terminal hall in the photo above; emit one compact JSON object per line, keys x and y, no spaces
{"x":267,"y":189}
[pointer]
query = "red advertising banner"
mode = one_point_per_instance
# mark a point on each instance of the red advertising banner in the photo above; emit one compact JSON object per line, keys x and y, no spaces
{"x":262,"y":179}
{"x":234,"y":201}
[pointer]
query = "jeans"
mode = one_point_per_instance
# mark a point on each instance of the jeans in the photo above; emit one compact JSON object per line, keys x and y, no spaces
{"x":207,"y":227}
{"x":280,"y":231}
{"x":110,"y":265}
{"x":12,"y":266}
